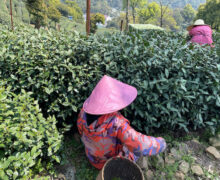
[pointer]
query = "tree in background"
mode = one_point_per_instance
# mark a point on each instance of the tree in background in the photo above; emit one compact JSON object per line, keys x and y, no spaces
{"x":136,"y":4}
{"x":164,"y":5}
{"x":96,"y":18}
{"x":116,"y":22}
{"x":54,"y":3}
{"x":182,"y":3}
{"x":149,"y":13}
{"x":188,"y":14}
{"x":70,"y":8}
{"x":126,"y":6}
{"x":74,"y":10}
{"x":38,"y":10}
{"x":210,"y":13}
{"x":54,"y":14}
{"x":101,"y":6}
{"x":178,"y":17}
{"x":115,"y":3}
{"x":64,"y":10}
{"x":169,"y":21}
{"x":113,"y":24}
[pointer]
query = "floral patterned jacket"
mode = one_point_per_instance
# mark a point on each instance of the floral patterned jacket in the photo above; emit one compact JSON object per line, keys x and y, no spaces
{"x":111,"y":135}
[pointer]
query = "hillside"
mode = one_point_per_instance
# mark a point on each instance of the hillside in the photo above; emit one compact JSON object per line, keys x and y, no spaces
{"x":102,"y":6}
{"x":105,"y":6}
{"x":180,"y":4}
{"x":21,"y":15}
{"x":20,"y":12}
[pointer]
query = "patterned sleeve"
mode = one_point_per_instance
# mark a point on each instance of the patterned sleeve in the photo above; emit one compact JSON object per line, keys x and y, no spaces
{"x":80,"y":122}
{"x":138,"y":143}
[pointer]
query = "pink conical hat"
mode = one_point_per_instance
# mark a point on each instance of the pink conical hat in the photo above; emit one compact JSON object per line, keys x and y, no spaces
{"x":109,"y":95}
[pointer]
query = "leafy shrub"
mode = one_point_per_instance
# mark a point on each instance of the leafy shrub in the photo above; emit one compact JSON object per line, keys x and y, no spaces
{"x":63,"y":9}
{"x":216,"y":39}
{"x":178,"y":83}
{"x":28,"y":141}
{"x":144,"y":27}
{"x":95,"y":19}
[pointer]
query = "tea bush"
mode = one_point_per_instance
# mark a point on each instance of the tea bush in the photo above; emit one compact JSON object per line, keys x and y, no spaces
{"x":29,"y":143}
{"x":51,"y":65}
{"x":178,"y":83}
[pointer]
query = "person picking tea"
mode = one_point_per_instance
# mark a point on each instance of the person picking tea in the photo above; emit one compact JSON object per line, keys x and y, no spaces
{"x":105,"y":132}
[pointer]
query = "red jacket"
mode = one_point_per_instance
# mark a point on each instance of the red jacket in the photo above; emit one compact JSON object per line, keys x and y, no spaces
{"x":111,"y":135}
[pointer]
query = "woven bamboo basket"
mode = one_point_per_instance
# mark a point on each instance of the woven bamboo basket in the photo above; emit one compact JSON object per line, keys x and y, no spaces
{"x":120,"y":168}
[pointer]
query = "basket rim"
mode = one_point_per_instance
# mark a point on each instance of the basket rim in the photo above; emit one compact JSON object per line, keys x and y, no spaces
{"x":119,"y":157}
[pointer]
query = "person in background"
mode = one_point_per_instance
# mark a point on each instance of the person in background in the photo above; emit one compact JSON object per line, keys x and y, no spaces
{"x":105,"y":132}
{"x":200,"y":33}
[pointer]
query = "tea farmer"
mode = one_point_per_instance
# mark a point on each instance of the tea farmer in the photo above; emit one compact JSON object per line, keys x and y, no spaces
{"x":200,"y":33}
{"x":105,"y":132}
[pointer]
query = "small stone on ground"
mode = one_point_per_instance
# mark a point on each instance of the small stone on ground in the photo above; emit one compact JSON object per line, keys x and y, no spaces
{"x":184,"y":167}
{"x":169,"y":160}
{"x":213,"y":151}
{"x":149,"y":175}
{"x":197,"y":170}
{"x":143,"y":162}
{"x":179,"y":176}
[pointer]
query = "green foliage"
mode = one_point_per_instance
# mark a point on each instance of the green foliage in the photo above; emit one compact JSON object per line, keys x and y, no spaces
{"x":169,"y":22}
{"x":178,"y":84}
{"x":147,"y":14}
{"x":20,"y":13}
{"x":144,"y":27}
{"x":210,"y":13}
{"x":104,"y":6}
{"x":170,"y":171}
{"x":69,"y":25}
{"x":63,"y":8}
{"x":188,"y":158}
{"x":152,"y":15}
{"x":117,"y":21}
{"x":100,"y":6}
{"x":76,"y":156}
{"x":38,"y":10}
{"x":188,"y":14}
{"x":115,"y":3}
{"x":5,"y":19}
{"x":74,"y":10}
{"x":28,"y":141}
{"x":54,"y":14}
{"x":54,"y":3}
{"x":96,"y":18}
{"x":3,"y":7}
{"x":70,"y":8}
{"x":178,"y":17}
{"x":183,"y":3}
{"x":113,"y":24}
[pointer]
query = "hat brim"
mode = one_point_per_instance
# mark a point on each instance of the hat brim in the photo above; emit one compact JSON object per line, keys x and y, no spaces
{"x":191,"y":26}
{"x":105,"y":111}
{"x":109,"y":95}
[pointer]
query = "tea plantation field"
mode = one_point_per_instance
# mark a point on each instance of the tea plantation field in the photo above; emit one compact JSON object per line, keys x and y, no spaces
{"x":46,"y":76}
